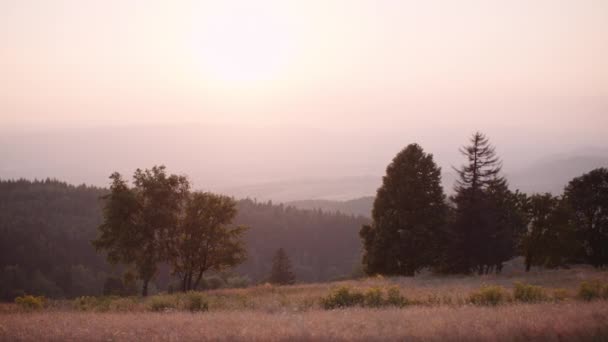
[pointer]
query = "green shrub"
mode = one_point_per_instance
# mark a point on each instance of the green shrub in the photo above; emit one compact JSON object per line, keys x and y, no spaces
{"x":342,"y":297}
{"x":394,"y":297}
{"x":590,"y":290}
{"x":489,"y":295}
{"x":89,"y":303}
{"x":161,"y":303}
{"x":529,"y":293}
{"x":29,"y":302}
{"x":196,"y":301}
{"x":373,"y":298}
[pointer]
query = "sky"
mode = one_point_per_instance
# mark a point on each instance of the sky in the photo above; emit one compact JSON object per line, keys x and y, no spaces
{"x":353,"y":81}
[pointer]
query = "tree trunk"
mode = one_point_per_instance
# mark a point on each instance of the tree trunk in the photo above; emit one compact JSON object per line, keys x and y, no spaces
{"x":144,"y":290}
{"x":528,"y":264}
{"x":184,"y":279}
{"x":198,"y":279}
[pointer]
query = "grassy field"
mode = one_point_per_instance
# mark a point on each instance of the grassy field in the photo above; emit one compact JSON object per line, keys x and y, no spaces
{"x":433,"y":308}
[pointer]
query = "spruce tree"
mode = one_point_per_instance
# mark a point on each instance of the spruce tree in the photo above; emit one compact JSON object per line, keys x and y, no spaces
{"x":486,"y":219}
{"x":409,"y":212}
{"x":281,"y":273}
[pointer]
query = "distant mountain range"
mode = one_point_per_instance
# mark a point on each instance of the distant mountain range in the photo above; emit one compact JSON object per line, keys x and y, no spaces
{"x":550,"y":175}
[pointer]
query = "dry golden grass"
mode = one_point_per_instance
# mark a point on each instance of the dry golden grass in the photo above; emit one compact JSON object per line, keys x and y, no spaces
{"x":441,"y":311}
{"x":552,"y":322}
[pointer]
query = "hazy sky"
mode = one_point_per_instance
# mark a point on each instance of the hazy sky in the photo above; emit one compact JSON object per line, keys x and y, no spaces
{"x":372,"y":74}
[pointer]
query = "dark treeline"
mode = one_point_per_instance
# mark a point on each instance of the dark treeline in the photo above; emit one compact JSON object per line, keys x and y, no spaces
{"x":46,"y":229}
{"x":484,"y":223}
{"x":157,"y":231}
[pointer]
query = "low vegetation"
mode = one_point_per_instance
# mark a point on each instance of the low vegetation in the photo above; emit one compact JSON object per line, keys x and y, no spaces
{"x":518,"y":306}
{"x":490,"y":295}
{"x":30,"y":302}
{"x":590,"y":290}
{"x":529,"y":293}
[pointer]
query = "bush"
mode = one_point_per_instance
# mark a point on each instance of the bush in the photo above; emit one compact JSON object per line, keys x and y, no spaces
{"x":161,"y":303}
{"x":342,"y":297}
{"x":590,"y":290}
{"x":489,"y":295}
{"x":196,"y":301}
{"x":529,"y":293}
{"x":394,"y":297}
{"x":29,"y":302}
{"x":89,"y":303}
{"x":373,"y":298}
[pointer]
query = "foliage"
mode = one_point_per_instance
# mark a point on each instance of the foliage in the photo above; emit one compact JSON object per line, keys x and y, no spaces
{"x":587,"y":196}
{"x":375,"y":297}
{"x":487,"y":217}
{"x":549,"y":239}
{"x":408,"y":213}
{"x":204,"y":240}
{"x":489,"y":295}
{"x":281,"y":273}
{"x":30,"y":302}
{"x":91,"y":303}
{"x":196,"y":301}
{"x":139,"y":221}
{"x":45,"y":229}
{"x":394,"y":297}
{"x":115,"y":286}
{"x":161,"y":303}
{"x":342,"y":297}
{"x":322,"y":245}
{"x":590,"y":290}
{"x":529,"y":293}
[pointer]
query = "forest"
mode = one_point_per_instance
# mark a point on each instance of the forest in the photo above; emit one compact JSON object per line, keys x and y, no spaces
{"x":46,"y":229}
{"x":157,"y":234}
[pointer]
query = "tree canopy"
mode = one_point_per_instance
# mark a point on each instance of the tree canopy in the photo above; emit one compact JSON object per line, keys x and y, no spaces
{"x":409,"y":212}
{"x":281,"y":273}
{"x":204,"y":240}
{"x":587,"y":196}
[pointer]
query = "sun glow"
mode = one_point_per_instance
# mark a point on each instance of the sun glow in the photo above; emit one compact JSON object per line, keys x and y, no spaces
{"x":243,"y":45}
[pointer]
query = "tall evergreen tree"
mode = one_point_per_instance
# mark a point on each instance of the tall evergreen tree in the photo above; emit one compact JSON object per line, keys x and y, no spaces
{"x":409,"y":212}
{"x":487,"y":219}
{"x":587,"y":196}
{"x":281,"y":273}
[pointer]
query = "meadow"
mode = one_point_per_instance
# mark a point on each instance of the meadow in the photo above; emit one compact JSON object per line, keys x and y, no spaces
{"x":554,"y":305}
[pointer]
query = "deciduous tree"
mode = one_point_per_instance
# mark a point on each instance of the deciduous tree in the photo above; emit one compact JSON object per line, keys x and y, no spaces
{"x":587,"y":196}
{"x":205,"y":239}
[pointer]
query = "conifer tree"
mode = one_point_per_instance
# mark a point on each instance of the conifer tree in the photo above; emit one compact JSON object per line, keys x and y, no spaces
{"x":281,"y":273}
{"x":487,"y":218}
{"x":408,"y":214}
